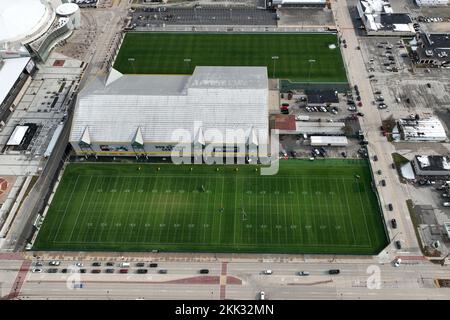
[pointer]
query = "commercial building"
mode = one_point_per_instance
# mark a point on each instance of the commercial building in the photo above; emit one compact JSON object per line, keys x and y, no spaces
{"x":429,"y":129}
{"x":431,"y":3}
{"x":330,"y":141}
{"x":431,"y":165}
{"x":431,"y":50}
{"x":298,"y":3}
{"x":151,"y":115}
{"x":379,"y":19}
{"x":322,"y":98}
{"x":37,"y":24}
{"x":15,"y":76}
{"x":287,"y":124}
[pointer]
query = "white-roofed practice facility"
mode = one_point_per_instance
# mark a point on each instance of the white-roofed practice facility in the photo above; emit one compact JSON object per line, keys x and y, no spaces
{"x":217,"y":108}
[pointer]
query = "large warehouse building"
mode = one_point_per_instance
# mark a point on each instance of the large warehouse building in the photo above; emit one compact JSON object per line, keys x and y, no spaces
{"x":146,"y":115}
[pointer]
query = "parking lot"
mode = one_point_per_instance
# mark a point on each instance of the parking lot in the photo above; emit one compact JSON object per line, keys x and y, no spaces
{"x":158,"y":16}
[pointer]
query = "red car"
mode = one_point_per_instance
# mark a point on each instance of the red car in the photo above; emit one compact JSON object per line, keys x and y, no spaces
{"x":359,"y":104}
{"x":123,"y":271}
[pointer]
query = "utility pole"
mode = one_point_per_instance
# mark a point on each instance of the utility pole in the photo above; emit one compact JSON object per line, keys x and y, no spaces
{"x":311,"y":61}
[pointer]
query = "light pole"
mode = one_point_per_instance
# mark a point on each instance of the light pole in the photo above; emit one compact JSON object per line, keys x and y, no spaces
{"x":131,"y":60}
{"x":311,"y":61}
{"x":188,"y":60}
{"x":274,"y":58}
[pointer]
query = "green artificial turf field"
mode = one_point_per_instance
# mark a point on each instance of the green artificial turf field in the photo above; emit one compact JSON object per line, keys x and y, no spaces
{"x":308,"y":207}
{"x":168,"y":53}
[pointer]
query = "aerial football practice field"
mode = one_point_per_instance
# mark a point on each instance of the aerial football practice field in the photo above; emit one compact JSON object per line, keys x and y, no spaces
{"x":322,"y":206}
{"x":297,"y":57}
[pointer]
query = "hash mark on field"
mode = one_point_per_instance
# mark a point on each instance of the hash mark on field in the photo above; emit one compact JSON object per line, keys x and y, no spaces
{"x":308,"y":227}
{"x":118,"y":224}
{"x":278,"y":226}
{"x":176,"y":225}
{"x":154,"y":191}
{"x":323,"y":227}
{"x":277,"y":192}
{"x":99,"y":190}
{"x":181,"y":191}
{"x":168,"y":191}
{"x":290,"y":192}
{"x":305,"y":192}
{"x":132,"y":225}
{"x":147,"y":225}
{"x":337,"y":227}
{"x":249,"y":192}
{"x":113,"y":190}
{"x":162,"y":225}
{"x":263,"y":226}
{"x":191,"y":225}
{"x":126,"y":190}
{"x":293,"y":226}
{"x":140,"y":190}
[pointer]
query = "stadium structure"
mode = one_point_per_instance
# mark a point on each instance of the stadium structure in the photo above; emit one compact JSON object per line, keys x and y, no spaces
{"x":36,"y":24}
{"x":154,"y":115}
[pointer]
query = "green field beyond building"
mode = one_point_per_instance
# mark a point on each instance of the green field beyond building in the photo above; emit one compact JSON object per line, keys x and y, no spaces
{"x":179,"y":53}
{"x":308,"y":207}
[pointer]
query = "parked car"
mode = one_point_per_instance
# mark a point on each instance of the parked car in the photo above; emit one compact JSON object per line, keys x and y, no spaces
{"x":390,"y":207}
{"x":394,"y":223}
{"x":96,"y":271}
{"x":153,"y":265}
{"x":375,"y":158}
{"x":123,"y":270}
{"x":36,"y":270}
{"x":429,"y":85}
{"x":110,"y":264}
{"x":96,"y":264}
{"x":343,"y":154}
{"x":204,"y":271}
{"x":54,"y":263}
{"x":142,"y":271}
{"x":303,"y":273}
{"x":52,"y":270}
{"x":140,"y":264}
{"x":163,"y":271}
{"x":109,"y":270}
{"x":397,"y":262}
{"x":262,"y":295}
{"x":383,"y":183}
{"x":268,"y":271}
{"x":398,"y":244}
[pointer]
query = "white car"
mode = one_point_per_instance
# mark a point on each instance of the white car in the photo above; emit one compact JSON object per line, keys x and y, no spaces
{"x":36,"y":270}
{"x":262,"y":295}
{"x":398,"y":262}
{"x":79,"y":264}
{"x":268,"y":271}
{"x":54,"y":263}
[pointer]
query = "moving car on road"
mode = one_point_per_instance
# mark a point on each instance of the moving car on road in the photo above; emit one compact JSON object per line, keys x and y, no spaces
{"x":303,"y":273}
{"x":334,"y":271}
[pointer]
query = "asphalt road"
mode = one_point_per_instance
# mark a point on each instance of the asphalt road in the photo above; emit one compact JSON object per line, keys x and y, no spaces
{"x":409,"y":281}
{"x":394,"y":192}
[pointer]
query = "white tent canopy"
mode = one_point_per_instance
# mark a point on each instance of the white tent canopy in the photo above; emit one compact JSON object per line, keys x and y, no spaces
{"x":17,"y":136}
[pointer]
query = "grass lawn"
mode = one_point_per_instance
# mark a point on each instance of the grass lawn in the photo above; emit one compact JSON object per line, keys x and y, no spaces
{"x":165,"y":53}
{"x":308,"y":207}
